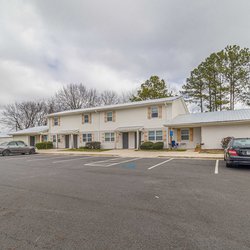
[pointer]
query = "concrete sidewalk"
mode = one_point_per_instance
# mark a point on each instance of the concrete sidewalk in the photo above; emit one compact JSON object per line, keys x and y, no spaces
{"x":140,"y":154}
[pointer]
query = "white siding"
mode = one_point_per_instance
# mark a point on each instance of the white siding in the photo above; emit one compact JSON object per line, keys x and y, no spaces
{"x":212,"y":135}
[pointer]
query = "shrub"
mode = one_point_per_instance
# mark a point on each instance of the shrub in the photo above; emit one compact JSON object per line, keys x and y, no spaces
{"x":93,"y":145}
{"x":225,"y":141}
{"x":44,"y":145}
{"x":158,"y":145}
{"x":147,"y":145}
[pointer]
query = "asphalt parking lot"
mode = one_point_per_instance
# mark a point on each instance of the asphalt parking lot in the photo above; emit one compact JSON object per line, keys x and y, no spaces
{"x":88,"y":202}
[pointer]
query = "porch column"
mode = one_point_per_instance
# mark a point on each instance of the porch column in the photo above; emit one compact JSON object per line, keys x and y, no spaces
{"x":56,"y":140}
{"x":41,"y":138}
{"x":71,"y":141}
{"x":137,"y":139}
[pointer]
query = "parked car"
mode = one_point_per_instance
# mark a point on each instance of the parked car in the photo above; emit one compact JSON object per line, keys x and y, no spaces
{"x":237,"y":152}
{"x":16,"y":147}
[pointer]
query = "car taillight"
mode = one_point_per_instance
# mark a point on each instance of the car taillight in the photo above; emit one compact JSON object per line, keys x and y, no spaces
{"x":232,"y":152}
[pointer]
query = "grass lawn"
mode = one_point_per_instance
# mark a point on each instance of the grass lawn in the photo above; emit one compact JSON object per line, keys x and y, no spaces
{"x":164,"y":150}
{"x":87,"y":150}
{"x":212,"y":151}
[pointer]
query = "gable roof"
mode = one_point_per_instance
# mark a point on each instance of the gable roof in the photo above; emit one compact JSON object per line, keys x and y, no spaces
{"x":31,"y":131}
{"x":229,"y":116}
{"x":118,"y":106}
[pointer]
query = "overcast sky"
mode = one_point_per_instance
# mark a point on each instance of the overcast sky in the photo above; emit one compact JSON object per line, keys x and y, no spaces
{"x":110,"y":44}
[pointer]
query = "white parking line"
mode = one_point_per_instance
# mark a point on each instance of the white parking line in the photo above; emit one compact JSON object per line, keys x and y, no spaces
{"x":117,"y":163}
{"x":48,"y":158}
{"x":161,"y":163}
{"x":74,"y":159}
{"x":216,"y":170}
{"x":97,"y":162}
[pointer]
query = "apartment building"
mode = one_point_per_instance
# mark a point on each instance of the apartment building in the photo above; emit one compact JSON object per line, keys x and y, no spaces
{"x":121,"y":126}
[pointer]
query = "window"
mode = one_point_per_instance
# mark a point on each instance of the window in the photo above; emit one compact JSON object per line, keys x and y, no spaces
{"x":56,"y":121}
{"x":86,"y":118}
{"x":12,"y":144}
{"x":185,"y":134}
{"x":110,"y":116}
{"x":21,"y":144}
{"x":45,"y":138}
{"x":54,"y":138}
{"x":109,"y":137}
{"x":155,"y":135}
{"x":154,"y":112}
{"x":87,"y":137}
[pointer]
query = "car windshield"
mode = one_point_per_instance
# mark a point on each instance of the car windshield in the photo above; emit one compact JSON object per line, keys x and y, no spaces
{"x":4,"y":144}
{"x":241,"y":143}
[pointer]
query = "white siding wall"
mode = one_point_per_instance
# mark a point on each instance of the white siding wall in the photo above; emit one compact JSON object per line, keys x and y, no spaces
{"x":178,"y":108}
{"x":24,"y":138}
{"x":5,"y":139}
{"x":212,"y":135}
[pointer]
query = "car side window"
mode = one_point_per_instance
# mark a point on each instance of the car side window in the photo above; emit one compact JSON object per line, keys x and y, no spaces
{"x":21,"y":144}
{"x":12,"y":144}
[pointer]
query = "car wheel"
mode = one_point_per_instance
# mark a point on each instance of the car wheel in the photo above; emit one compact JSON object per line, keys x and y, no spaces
{"x":6,"y":153}
{"x":228,"y":165}
{"x":32,"y":151}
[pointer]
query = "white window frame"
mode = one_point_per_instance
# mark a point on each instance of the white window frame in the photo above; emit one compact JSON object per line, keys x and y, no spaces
{"x":109,"y":137}
{"x":156,"y":135}
{"x":185,"y":136}
{"x":154,"y":112}
{"x":56,"y":121}
{"x":87,"y":137}
{"x":109,"y":115}
{"x":86,"y":116}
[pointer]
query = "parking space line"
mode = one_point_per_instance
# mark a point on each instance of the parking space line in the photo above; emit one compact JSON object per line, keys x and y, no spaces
{"x":96,"y":163}
{"x":216,"y":170}
{"x":161,"y":163}
{"x":81,"y":158}
{"x":117,"y":163}
{"x":48,"y":158}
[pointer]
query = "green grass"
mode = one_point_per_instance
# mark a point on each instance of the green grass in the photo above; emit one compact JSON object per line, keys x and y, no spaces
{"x":212,"y":151}
{"x":87,"y":150}
{"x":164,"y":150}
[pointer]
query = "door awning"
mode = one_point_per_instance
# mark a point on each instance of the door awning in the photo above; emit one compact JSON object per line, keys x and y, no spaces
{"x":68,"y":132}
{"x":129,"y":129}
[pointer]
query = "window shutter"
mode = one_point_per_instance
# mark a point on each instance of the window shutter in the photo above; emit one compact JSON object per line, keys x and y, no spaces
{"x":83,"y":119}
{"x":105,"y":116}
{"x":114,"y":116}
{"x":160,"y":112}
{"x":191,"y":134}
{"x":53,"y":122}
{"x":164,"y":134}
{"x":145,"y":134}
{"x":59,"y":121}
{"x":149,"y":112}
{"x":117,"y":137}
{"x":178,"y":134}
{"x":80,"y":137}
{"x":90,"y":118}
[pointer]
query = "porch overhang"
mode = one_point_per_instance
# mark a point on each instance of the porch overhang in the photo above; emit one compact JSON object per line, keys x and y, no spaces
{"x":129,"y":129}
{"x":68,"y":132}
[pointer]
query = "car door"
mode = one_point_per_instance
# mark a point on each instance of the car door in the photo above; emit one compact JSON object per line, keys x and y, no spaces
{"x":12,"y":147}
{"x":22,"y":148}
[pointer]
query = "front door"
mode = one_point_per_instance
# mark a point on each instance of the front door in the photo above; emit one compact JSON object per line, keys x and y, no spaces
{"x":75,"y":141}
{"x":32,"y":141}
{"x":66,"y":141}
{"x":125,"y":140}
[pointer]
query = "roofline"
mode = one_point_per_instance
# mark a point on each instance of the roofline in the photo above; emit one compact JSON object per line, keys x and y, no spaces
{"x":199,"y":124}
{"x":118,"y":106}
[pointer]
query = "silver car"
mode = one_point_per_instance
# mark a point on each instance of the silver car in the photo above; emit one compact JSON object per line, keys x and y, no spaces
{"x":16,"y":147}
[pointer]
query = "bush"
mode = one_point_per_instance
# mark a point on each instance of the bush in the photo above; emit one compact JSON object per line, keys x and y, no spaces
{"x":158,"y":145}
{"x":93,"y":145}
{"x":44,"y":145}
{"x":147,"y":145}
{"x":225,"y":141}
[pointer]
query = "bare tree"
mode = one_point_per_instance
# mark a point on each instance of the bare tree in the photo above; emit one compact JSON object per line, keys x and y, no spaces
{"x":109,"y":97}
{"x":24,"y":115}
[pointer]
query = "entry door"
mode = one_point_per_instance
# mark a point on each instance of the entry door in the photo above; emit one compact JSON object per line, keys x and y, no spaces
{"x":125,"y":140}
{"x":32,"y":141}
{"x":75,"y":140}
{"x":66,"y":141}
